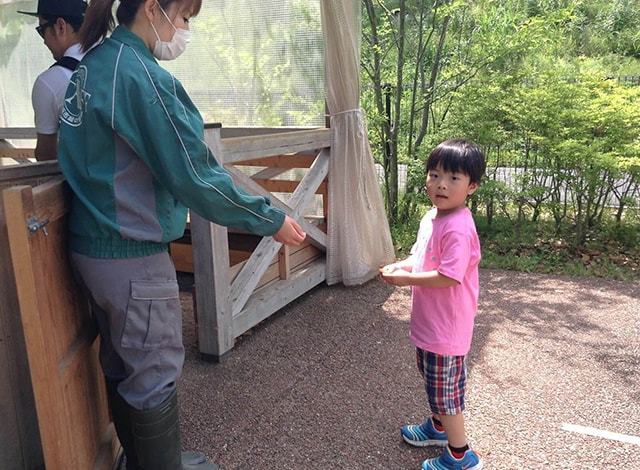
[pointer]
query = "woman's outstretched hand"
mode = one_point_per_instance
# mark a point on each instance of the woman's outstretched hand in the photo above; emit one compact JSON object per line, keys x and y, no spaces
{"x":290,"y":233}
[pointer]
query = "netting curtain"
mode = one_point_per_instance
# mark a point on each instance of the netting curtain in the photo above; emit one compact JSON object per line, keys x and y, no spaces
{"x":358,"y":232}
{"x":249,"y":63}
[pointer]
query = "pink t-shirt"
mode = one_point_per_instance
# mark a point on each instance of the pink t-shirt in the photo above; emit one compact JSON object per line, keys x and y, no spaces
{"x":442,"y":318}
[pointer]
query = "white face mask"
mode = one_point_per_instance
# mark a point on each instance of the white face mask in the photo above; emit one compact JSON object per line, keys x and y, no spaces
{"x":169,"y":50}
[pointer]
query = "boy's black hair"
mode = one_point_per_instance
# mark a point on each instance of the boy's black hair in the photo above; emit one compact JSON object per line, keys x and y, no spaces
{"x":458,"y":156}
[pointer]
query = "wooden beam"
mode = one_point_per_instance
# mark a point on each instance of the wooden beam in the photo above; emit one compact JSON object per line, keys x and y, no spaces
{"x":31,"y":170}
{"x":284,"y":262}
{"x":214,"y":142}
{"x":285,"y":186}
{"x":251,"y":273}
{"x":244,"y":148}
{"x":18,"y":201}
{"x":317,"y":236}
{"x":51,"y":199}
{"x":297,"y":260}
{"x":211,"y":272}
{"x":18,"y":133}
{"x":306,"y":190}
{"x":268,"y":173}
{"x":182,"y":256}
{"x":18,"y":154}
{"x":298,"y":160}
{"x":264,"y":302}
{"x":245,"y":182}
{"x":228,"y":132}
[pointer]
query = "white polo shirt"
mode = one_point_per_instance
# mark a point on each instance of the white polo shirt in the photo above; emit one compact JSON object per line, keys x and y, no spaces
{"x":48,"y":93}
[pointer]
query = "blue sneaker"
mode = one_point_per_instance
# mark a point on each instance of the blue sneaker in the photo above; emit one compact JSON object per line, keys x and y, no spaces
{"x":446,"y":461}
{"x":425,"y":434}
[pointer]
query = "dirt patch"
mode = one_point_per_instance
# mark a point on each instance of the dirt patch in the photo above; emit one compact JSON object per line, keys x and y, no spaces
{"x":328,"y":381}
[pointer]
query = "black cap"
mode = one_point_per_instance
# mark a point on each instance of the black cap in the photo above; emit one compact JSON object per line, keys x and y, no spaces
{"x":59,"y":8}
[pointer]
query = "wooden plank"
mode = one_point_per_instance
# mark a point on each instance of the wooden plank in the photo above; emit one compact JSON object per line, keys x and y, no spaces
{"x":297,"y":258}
{"x":18,"y":133}
{"x":244,"y":148}
{"x":21,"y":447}
{"x":228,"y":132}
{"x":182,"y":256}
{"x":249,"y":276}
{"x":305,"y":191}
{"x":17,"y":201}
{"x":211,"y":270}
{"x":32,"y":170}
{"x":213,"y":141}
{"x":316,"y":235}
{"x":51,"y":199}
{"x":17,"y":153}
{"x":325,"y":202}
{"x":245,"y":182}
{"x":284,"y":262}
{"x":251,"y":273}
{"x":264,"y":302}
{"x":285,"y":186}
{"x":269,"y":173}
{"x":59,"y":333}
{"x":294,"y":252}
{"x":298,"y":160}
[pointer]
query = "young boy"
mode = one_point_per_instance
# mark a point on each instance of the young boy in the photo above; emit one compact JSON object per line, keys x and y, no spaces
{"x":443,"y":272}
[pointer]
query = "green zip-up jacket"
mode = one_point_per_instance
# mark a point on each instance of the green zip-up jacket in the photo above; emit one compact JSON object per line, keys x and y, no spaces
{"x":131,"y":146}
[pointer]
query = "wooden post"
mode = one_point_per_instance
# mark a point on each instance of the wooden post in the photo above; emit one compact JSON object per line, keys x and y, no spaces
{"x":60,"y":335}
{"x":211,"y":271}
{"x":284,"y":262}
{"x":19,"y":433}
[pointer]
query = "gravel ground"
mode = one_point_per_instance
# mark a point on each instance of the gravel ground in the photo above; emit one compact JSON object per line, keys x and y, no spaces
{"x":328,"y":381}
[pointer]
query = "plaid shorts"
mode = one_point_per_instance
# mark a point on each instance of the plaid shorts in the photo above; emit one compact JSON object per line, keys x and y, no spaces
{"x":445,"y":378}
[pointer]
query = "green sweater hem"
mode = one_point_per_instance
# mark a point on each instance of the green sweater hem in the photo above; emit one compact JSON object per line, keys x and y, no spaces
{"x":115,"y":247}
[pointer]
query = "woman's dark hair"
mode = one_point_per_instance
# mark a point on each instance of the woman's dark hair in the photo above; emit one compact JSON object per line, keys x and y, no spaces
{"x":458,"y":156}
{"x":98,"y":19}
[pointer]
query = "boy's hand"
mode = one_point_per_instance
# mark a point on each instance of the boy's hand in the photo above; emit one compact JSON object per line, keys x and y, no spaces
{"x":395,"y":275}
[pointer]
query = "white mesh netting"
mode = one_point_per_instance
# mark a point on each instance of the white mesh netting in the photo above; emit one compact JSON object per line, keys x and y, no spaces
{"x":359,"y":238}
{"x":258,"y":64}
{"x":249,"y":63}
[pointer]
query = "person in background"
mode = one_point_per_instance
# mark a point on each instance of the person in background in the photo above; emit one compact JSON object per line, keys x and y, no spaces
{"x":59,"y":23}
{"x":132,"y":150}
{"x":443,"y":273}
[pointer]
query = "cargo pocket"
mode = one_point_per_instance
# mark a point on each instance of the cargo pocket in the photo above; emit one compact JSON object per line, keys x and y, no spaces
{"x":153,"y":316}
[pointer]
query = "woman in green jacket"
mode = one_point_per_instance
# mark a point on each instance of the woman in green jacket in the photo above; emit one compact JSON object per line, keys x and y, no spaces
{"x":132,"y":149}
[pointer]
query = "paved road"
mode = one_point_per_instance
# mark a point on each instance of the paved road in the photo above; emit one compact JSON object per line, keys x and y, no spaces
{"x":327,"y":382}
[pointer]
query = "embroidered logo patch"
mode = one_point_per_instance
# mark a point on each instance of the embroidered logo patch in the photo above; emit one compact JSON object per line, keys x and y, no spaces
{"x":75,"y":103}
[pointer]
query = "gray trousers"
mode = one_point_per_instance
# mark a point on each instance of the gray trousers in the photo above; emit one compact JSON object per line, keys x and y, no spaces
{"x":136,"y":305}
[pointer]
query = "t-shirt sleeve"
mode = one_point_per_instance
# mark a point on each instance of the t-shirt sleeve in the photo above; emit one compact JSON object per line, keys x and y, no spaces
{"x":46,"y":109}
{"x":419,"y":236}
{"x":456,"y":255}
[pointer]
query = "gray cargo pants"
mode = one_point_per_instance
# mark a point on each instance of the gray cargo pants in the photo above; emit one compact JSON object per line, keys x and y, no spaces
{"x":136,"y":306}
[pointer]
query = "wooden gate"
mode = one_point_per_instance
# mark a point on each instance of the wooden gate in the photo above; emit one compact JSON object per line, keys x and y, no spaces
{"x":60,"y":336}
{"x":231,"y":301}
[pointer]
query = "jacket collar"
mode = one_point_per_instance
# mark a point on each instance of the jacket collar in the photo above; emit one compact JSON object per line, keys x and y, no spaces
{"x":124,"y":35}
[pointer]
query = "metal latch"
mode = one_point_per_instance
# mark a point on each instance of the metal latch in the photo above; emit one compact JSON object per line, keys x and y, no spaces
{"x":34,"y":225}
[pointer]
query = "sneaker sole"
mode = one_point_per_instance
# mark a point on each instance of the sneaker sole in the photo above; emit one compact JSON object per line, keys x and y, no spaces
{"x":478,"y":466}
{"x":431,"y":442}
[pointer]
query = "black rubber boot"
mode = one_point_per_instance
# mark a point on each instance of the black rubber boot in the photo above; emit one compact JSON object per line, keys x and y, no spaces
{"x":157,"y":442}
{"x":121,"y":413}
